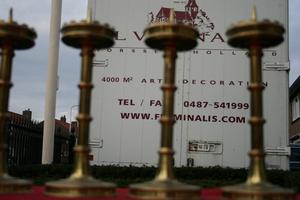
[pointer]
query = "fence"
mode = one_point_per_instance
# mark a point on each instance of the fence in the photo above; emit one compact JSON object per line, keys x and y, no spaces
{"x":25,"y":139}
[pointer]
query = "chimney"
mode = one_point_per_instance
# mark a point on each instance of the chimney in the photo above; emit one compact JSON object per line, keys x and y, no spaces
{"x":27,"y":114}
{"x":63,"y":119}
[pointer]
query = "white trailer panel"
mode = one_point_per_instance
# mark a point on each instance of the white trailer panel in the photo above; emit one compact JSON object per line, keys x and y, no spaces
{"x":212,"y":100}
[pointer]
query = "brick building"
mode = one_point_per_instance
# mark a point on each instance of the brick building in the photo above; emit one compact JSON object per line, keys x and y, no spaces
{"x":25,"y":139}
{"x":294,"y":119}
{"x":294,"y":111}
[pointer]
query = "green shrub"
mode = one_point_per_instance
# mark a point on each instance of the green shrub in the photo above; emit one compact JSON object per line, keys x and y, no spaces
{"x":123,"y":176}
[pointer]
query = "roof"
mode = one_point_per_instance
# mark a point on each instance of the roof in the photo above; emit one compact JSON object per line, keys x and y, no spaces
{"x":294,"y":88}
{"x":21,"y":120}
{"x":17,"y":116}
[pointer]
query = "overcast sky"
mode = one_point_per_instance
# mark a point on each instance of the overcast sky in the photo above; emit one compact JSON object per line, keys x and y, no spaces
{"x":30,"y":66}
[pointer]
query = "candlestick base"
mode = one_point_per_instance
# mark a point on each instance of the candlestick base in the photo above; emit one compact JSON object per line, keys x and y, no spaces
{"x":261,"y":191}
{"x":79,"y":187}
{"x":11,"y":185}
{"x":166,"y":189}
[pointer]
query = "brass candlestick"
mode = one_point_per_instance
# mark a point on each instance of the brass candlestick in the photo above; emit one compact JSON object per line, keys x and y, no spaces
{"x":170,"y":38}
{"x":254,"y":36}
{"x":86,"y":35}
{"x":12,"y":36}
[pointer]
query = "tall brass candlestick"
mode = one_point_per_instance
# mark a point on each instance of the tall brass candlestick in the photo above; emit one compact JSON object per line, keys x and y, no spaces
{"x":12,"y":36}
{"x":86,"y":35}
{"x":255,"y":36}
{"x":170,"y":38}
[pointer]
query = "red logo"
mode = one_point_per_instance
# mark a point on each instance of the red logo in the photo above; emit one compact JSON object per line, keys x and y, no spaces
{"x":192,"y":15}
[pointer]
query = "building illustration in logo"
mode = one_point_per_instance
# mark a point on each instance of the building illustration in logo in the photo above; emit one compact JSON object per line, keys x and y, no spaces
{"x":192,"y":15}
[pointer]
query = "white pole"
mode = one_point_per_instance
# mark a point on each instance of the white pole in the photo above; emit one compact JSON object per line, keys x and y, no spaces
{"x":51,"y":85}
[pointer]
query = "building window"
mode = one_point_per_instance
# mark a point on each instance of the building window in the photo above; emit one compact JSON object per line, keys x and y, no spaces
{"x":295,"y":108}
